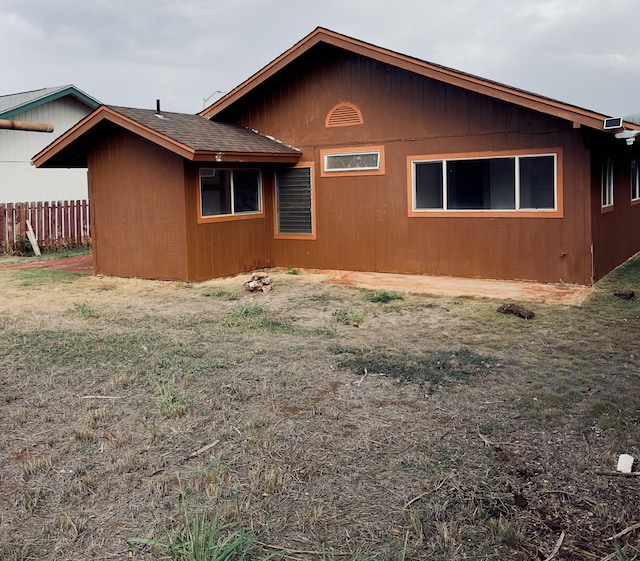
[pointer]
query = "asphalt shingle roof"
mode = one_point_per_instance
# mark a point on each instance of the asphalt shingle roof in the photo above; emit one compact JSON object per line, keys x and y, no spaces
{"x":201,"y":134}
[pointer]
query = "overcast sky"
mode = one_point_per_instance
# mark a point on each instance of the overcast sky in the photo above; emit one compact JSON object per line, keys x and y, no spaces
{"x":131,"y":52}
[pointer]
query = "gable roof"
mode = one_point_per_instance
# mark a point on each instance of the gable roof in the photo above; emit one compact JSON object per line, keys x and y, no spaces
{"x":444,"y":74}
{"x":190,"y":136}
{"x":17,"y":103}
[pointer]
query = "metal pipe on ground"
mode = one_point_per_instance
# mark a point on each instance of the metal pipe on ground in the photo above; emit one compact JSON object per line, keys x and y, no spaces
{"x":25,"y":126}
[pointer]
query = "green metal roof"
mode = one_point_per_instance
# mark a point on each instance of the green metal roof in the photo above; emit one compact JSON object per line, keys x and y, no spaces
{"x":17,"y":103}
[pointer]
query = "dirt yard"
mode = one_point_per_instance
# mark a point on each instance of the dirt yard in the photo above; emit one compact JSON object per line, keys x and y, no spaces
{"x":326,"y":421}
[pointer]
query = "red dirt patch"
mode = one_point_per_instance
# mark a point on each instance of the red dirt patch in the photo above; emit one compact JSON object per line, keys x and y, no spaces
{"x":445,"y":286}
{"x":78,"y":264}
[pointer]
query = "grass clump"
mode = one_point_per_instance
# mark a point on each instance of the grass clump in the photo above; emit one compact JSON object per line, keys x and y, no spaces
{"x":381,"y":296}
{"x":348,"y":316}
{"x":254,"y":316}
{"x":220,"y":293}
{"x":200,"y":537}
{"x":172,"y":404}
{"x":607,"y":414}
{"x":431,"y":368}
{"x":550,"y":406}
{"x":85,"y":309}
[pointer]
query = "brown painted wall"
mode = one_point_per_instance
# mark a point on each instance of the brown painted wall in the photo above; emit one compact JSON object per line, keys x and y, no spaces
{"x":616,"y":231}
{"x":217,"y":249}
{"x":363,"y":223}
{"x":138,"y":208}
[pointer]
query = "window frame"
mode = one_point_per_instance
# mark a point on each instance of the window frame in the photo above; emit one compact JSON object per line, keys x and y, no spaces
{"x":556,"y":212}
{"x":634,"y":173}
{"x":233,"y":215}
{"x":607,"y":185}
{"x":351,"y":151}
{"x":293,"y":236}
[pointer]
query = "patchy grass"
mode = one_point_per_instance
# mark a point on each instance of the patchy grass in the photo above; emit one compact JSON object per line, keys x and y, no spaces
{"x":41,"y":277}
{"x":85,"y":309}
{"x":201,"y":537}
{"x":9,"y":259}
{"x":349,"y":316}
{"x":382,"y":296}
{"x":183,"y":415}
{"x":429,"y":369}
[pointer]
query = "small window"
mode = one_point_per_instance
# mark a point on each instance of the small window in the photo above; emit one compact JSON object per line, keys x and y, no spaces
{"x":635,"y":180}
{"x":607,"y":183}
{"x":358,"y":161}
{"x":366,"y":160}
{"x":294,"y":201}
{"x":516,"y":183}
{"x":230,"y":192}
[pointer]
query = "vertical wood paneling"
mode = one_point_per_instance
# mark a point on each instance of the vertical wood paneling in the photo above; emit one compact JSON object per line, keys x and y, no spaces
{"x":218,"y":249}
{"x":616,"y":234}
{"x":138,"y":208}
{"x":362,"y":223}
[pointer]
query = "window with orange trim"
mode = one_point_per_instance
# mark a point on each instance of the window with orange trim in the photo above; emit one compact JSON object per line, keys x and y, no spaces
{"x":361,"y":160}
{"x":526,"y":183}
{"x":230,"y":192}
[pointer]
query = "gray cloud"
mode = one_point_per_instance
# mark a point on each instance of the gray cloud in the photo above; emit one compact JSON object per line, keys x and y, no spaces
{"x":132,"y":52}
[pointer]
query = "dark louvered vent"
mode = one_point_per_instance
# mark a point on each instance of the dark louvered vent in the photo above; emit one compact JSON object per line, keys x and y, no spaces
{"x":293,"y":194}
{"x":344,"y":115}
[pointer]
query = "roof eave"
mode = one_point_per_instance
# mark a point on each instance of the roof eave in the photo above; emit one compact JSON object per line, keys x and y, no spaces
{"x":105,"y":113}
{"x":70,"y":90}
{"x":247,"y":157}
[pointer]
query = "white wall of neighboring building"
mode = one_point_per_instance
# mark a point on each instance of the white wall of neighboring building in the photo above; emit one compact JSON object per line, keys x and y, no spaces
{"x":19,"y":180}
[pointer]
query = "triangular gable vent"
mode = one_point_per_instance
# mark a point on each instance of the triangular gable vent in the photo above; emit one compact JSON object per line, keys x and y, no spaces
{"x":344,"y":115}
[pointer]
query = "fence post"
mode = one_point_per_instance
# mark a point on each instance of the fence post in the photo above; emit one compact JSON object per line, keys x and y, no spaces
{"x":10,"y":227}
{"x":67,"y":225}
{"x":3,"y":228}
{"x":39,"y":224}
{"x":21,"y":220}
{"x":59,"y":225}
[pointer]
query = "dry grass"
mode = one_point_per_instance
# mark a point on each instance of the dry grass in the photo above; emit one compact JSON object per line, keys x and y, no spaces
{"x":343,"y":424}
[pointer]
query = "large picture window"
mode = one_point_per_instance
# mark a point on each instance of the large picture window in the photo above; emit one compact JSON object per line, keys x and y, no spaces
{"x":503,"y":183}
{"x":294,"y":202}
{"x":230,"y":192}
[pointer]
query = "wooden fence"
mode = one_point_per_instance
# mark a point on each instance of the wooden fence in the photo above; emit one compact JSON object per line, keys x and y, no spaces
{"x":55,"y":225}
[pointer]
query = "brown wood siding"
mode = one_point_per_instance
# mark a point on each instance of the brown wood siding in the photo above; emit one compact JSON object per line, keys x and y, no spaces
{"x":363,"y":222}
{"x":138,"y":208}
{"x":616,"y":232}
{"x":218,"y":249}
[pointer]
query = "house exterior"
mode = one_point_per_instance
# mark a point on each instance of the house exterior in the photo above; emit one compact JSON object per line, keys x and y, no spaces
{"x":61,"y":107}
{"x":382,"y":162}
